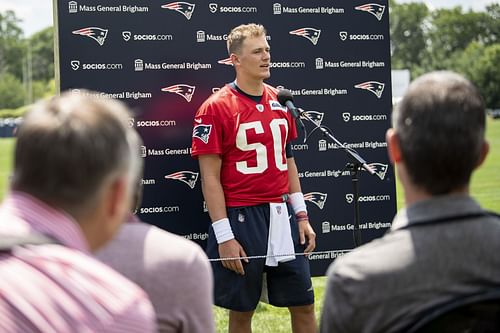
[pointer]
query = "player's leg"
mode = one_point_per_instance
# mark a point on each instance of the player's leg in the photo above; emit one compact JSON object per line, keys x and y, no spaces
{"x":240,"y":293}
{"x":303,"y":319}
{"x":240,"y":322}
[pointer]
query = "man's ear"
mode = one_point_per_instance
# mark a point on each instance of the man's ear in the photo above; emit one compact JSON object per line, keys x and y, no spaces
{"x":393,"y":146}
{"x":485,"y":148}
{"x":118,"y":198}
{"x":234,"y":59}
{"x":112,"y":205}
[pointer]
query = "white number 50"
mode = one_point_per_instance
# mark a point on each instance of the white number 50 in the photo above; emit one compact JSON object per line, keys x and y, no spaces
{"x":260,"y":149}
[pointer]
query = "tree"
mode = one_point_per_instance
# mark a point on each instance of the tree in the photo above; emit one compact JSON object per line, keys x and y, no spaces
{"x":12,"y":46}
{"x":492,"y":24}
{"x":452,"y":31}
{"x":467,"y":42}
{"x":26,"y":65}
{"x":408,"y":39}
{"x":12,"y":93}
{"x":480,"y":64}
{"x":42,"y":50}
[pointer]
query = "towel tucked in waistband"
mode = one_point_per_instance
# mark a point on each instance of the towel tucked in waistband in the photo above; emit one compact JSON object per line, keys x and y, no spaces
{"x":280,"y":235}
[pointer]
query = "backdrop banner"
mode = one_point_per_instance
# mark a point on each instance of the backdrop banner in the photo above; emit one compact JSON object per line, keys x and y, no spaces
{"x":165,"y":58}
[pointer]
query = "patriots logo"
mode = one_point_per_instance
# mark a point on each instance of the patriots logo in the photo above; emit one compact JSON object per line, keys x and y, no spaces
{"x":375,"y":87}
{"x":309,"y":33}
{"x":372,"y":8}
{"x":315,"y":116}
{"x":226,"y":61}
{"x":97,"y":34}
{"x":241,"y":218}
{"x":202,"y":132}
{"x":379,"y":169}
{"x":316,"y":198}
{"x":183,"y":90}
{"x":187,"y":177}
{"x":185,"y":8}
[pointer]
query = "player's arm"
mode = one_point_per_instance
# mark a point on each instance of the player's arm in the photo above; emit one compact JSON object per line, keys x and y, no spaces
{"x":229,"y":247}
{"x":306,"y":232}
{"x":210,"y":166}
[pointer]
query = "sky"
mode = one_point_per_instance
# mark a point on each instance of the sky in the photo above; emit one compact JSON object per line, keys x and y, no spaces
{"x":37,"y":14}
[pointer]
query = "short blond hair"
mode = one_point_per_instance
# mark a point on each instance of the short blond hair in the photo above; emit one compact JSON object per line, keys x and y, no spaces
{"x":238,"y":35}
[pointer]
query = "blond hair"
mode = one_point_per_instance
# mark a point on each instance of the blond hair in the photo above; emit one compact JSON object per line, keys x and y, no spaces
{"x":238,"y":35}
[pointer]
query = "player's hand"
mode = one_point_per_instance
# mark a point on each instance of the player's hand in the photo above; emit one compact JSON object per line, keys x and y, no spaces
{"x":232,"y":249}
{"x":306,"y":232}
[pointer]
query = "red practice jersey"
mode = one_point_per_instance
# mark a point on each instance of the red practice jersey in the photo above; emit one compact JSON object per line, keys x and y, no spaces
{"x":250,"y":137}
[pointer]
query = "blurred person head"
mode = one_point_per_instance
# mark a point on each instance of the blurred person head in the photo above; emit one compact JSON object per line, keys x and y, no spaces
{"x":438,"y":134}
{"x":249,"y":51}
{"x":77,"y":153}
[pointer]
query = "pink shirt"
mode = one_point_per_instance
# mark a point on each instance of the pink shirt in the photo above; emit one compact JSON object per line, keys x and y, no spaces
{"x":174,"y":271}
{"x":62,"y":288}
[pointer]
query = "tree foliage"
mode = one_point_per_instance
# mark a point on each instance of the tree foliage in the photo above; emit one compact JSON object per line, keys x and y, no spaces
{"x":480,"y":64}
{"x":12,"y":92}
{"x":42,"y":50}
{"x":12,"y":47}
{"x":26,"y":64}
{"x":408,"y":40}
{"x":448,"y":39}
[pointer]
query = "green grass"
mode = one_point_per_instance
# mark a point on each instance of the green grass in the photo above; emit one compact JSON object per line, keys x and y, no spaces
{"x":485,"y":185}
{"x":268,"y":319}
{"x":6,"y":152}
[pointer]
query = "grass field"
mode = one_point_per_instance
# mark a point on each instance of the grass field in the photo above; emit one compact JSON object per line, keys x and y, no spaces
{"x":268,"y":319}
{"x":6,"y":151}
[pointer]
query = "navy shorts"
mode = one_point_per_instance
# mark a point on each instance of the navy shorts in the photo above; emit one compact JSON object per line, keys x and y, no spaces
{"x":288,"y":284}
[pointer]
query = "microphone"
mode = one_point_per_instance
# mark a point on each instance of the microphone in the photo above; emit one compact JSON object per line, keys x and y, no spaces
{"x":285,"y":97}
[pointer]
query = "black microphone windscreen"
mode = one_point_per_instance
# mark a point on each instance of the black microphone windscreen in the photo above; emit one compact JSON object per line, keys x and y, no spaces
{"x":284,"y":95}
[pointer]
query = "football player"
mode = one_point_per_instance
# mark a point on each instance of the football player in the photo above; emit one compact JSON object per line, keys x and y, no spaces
{"x":241,"y":138}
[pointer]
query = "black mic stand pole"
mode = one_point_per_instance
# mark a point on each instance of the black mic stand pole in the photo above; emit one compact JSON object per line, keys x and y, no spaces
{"x":357,"y":164}
{"x":354,"y":168}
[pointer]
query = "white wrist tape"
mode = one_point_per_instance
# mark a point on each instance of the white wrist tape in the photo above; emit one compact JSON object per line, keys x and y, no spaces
{"x":297,"y":202}
{"x":222,"y":230}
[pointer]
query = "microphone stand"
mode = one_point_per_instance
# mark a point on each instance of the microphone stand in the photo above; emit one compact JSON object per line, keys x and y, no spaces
{"x":354,"y":166}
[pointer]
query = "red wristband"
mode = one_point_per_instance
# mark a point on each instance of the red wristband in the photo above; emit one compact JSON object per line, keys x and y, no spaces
{"x":301,"y":216}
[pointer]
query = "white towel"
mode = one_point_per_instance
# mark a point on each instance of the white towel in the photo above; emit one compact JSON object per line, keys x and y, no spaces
{"x":280,"y":235}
